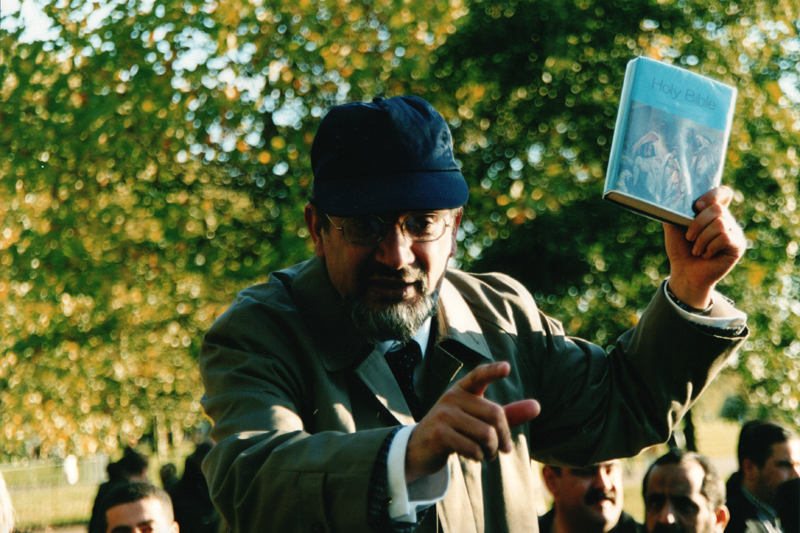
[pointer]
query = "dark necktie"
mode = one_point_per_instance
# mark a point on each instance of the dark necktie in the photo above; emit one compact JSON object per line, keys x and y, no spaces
{"x":402,"y":363}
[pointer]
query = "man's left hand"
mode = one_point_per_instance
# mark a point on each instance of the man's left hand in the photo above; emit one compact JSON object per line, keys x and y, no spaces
{"x":702,"y":255}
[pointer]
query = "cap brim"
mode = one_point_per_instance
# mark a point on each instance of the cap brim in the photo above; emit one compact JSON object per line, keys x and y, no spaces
{"x":398,"y":192}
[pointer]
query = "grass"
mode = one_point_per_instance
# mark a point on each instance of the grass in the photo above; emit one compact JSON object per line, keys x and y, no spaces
{"x":41,"y":498}
{"x":53,"y":505}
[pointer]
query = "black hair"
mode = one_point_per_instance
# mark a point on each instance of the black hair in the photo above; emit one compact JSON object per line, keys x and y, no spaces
{"x":125,"y":492}
{"x":713,"y":487}
{"x":132,"y":463}
{"x":757,"y":438}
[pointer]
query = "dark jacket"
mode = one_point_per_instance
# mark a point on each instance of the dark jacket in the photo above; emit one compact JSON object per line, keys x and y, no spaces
{"x":626,"y":523}
{"x":744,"y":515}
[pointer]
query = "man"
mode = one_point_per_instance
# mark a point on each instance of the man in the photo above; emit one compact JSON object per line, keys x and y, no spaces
{"x":586,"y":500}
{"x":131,"y":468}
{"x":137,"y":508}
{"x":327,"y":416}
{"x":684,"y":494}
{"x":768,"y":454}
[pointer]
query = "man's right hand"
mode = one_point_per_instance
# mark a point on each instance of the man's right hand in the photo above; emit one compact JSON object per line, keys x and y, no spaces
{"x":466,"y":423}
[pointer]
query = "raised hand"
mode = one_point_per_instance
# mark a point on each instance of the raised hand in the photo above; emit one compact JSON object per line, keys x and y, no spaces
{"x":707,"y":251}
{"x":466,"y":423}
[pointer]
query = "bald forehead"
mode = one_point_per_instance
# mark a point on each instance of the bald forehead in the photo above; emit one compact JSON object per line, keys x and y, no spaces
{"x":683,"y":478}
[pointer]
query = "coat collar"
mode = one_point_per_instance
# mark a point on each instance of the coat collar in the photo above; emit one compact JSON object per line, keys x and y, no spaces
{"x":322,"y":310}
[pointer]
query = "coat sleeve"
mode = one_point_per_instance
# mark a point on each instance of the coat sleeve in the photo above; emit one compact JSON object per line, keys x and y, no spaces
{"x":598,"y":404}
{"x":615,"y":404}
{"x":269,"y":471}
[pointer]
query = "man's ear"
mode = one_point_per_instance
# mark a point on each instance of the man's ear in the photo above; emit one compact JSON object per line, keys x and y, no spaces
{"x":314,"y":225}
{"x":749,"y":470}
{"x":550,"y":480}
{"x":456,"y":223}
{"x":722,"y":515}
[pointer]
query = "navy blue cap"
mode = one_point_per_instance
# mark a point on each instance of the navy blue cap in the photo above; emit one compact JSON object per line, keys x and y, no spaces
{"x":391,"y":154}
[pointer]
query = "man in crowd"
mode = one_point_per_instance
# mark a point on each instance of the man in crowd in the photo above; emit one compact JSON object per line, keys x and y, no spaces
{"x":768,"y":454}
{"x":384,"y":391}
{"x":137,"y":508}
{"x":586,"y":500}
{"x":684,"y":494}
{"x":131,"y":468}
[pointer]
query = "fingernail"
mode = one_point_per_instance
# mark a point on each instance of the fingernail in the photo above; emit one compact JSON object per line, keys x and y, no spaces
{"x":700,"y":205}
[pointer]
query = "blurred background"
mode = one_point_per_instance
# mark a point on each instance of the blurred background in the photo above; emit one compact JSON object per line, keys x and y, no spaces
{"x":154,"y":161}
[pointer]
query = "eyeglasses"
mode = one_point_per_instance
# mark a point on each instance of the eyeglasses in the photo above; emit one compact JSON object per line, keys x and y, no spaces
{"x":368,"y":230}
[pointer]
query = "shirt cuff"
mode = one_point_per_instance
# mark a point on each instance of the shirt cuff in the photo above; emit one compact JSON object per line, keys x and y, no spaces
{"x":723,"y":314}
{"x":407,"y":499}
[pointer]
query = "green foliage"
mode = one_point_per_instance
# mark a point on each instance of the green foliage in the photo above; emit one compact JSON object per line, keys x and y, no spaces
{"x":155,"y":162}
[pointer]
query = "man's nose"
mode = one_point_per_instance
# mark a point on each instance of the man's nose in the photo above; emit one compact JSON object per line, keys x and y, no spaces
{"x":667,"y":514}
{"x":394,"y":250}
{"x":603,"y":480}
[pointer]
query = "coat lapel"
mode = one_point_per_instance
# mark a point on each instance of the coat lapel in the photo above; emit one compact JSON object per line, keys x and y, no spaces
{"x":378,"y":377}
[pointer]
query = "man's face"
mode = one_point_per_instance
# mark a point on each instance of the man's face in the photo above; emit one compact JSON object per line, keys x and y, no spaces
{"x":589,"y":499}
{"x":395,"y":277}
{"x":674,"y":502}
{"x":142,"y":516}
{"x":782,"y":465}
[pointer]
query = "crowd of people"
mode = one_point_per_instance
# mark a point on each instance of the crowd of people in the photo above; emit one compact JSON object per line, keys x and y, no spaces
{"x":683,"y":492}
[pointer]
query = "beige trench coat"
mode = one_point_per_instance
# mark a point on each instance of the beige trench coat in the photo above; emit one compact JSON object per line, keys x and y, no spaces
{"x":301,"y":405}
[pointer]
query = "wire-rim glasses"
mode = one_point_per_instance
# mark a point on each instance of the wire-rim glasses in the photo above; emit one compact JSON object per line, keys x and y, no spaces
{"x":371,"y":229}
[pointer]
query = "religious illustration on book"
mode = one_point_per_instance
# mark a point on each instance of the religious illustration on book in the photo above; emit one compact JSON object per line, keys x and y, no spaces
{"x":667,"y":159}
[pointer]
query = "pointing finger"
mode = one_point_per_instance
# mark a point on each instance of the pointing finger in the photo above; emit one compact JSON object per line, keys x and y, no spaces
{"x":481,"y":377}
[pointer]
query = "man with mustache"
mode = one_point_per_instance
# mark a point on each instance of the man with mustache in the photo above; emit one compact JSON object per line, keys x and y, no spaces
{"x":586,"y":500}
{"x":683,"y":493}
{"x":372,"y":388}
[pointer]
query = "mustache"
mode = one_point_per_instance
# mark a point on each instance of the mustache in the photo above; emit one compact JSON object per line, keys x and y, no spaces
{"x":411,"y":273}
{"x":597,"y":495}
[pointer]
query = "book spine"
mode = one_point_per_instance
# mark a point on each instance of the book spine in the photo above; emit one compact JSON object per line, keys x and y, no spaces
{"x":620,"y":126}
{"x":729,"y":125}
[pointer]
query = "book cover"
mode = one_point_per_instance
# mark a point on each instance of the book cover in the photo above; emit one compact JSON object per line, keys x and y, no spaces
{"x":670,"y":140}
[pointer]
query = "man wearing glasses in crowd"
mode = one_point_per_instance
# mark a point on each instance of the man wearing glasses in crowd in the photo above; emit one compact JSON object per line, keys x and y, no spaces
{"x":372,"y":388}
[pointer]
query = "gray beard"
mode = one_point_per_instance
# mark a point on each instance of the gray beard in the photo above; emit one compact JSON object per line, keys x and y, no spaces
{"x":399,"y":322}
